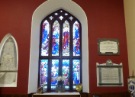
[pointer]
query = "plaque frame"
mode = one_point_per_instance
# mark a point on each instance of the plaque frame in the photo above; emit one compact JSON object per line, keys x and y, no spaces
{"x":117,"y":80}
{"x":108,"y":46}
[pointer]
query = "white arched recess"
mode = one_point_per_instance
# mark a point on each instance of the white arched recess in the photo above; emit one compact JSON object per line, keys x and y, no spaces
{"x":39,"y":14}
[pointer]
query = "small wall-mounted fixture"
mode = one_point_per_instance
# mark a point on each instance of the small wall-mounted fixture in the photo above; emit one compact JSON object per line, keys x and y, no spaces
{"x":131,"y":84}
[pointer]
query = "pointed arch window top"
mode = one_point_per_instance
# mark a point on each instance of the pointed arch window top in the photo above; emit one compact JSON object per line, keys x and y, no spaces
{"x":61,"y":15}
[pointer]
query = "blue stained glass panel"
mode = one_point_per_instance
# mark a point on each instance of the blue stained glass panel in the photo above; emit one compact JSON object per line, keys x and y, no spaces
{"x":76,"y":72}
{"x":66,"y":39}
{"x":76,"y":39}
{"x":45,"y":38}
{"x":60,"y":51}
{"x":65,"y":72}
{"x":43,"y":72}
{"x":54,"y":73}
{"x":55,"y":38}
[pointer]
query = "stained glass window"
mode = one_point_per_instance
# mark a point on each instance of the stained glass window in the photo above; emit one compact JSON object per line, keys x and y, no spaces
{"x":66,"y":72}
{"x":54,"y":73}
{"x":45,"y":38}
{"x":76,"y":72}
{"x":60,"y":51}
{"x":55,"y":38}
{"x":44,"y":72}
{"x":66,"y":39}
{"x":76,"y":39}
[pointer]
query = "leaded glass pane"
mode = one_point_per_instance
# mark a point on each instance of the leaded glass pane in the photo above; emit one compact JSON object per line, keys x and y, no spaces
{"x":66,"y":14}
{"x":45,"y":38}
{"x":71,"y":18}
{"x":76,"y":39}
{"x":44,"y":72}
{"x":55,"y":38}
{"x":56,"y":13}
{"x":60,"y":51}
{"x":51,"y":17}
{"x":66,"y":39}
{"x":76,"y":72}
{"x":61,"y":17}
{"x":54,"y":73}
{"x":65,"y":72}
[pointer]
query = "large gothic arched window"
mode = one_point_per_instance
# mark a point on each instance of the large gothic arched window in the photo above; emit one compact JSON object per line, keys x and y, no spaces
{"x":60,"y":51}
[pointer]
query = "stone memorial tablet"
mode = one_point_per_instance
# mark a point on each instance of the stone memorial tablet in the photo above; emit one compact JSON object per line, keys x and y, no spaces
{"x":109,"y":74}
{"x":108,"y":47}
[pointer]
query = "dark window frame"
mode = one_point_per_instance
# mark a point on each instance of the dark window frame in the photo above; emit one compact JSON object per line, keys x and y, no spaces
{"x":60,"y":57}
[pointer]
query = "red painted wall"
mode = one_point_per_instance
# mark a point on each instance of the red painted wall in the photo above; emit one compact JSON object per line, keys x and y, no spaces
{"x":15,"y":18}
{"x":105,"y":20}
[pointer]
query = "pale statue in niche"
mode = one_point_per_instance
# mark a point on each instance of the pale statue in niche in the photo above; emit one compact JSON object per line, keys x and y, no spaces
{"x":8,"y":63}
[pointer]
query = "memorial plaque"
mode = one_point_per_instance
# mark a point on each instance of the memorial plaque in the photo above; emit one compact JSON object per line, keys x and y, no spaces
{"x":109,"y":75}
{"x":108,"y":46}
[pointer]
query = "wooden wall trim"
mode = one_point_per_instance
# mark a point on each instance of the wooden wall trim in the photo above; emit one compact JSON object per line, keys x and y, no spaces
{"x":121,"y":94}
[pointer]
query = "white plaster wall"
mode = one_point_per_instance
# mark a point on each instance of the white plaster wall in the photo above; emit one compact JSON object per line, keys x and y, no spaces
{"x":129,"y":7}
{"x":43,"y":10}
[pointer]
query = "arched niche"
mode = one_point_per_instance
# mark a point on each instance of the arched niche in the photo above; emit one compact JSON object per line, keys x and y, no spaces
{"x":8,"y":61}
{"x":43,"y":10}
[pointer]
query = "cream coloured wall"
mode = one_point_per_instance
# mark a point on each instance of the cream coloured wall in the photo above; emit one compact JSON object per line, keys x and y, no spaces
{"x":129,"y":7}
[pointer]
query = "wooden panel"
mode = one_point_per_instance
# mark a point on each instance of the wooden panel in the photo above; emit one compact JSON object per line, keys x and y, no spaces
{"x":122,"y":94}
{"x":84,"y":94}
{"x":15,"y":95}
{"x":56,"y":95}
